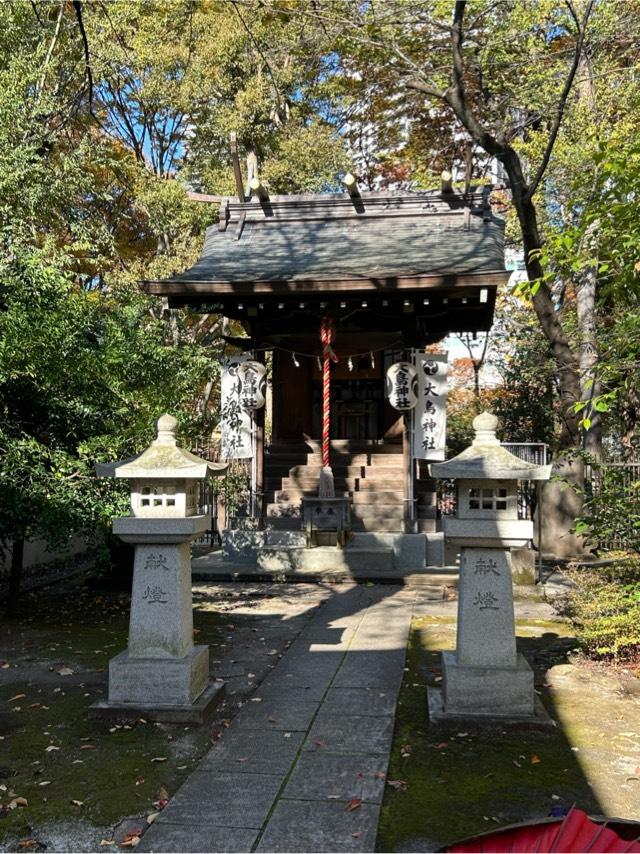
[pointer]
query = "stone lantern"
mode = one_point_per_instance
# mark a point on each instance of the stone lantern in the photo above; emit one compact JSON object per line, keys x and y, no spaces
{"x":161,"y":675}
{"x":485,"y":677}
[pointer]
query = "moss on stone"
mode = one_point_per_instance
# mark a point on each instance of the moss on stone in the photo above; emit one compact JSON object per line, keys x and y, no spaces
{"x":106,"y":766}
{"x":470,"y":780}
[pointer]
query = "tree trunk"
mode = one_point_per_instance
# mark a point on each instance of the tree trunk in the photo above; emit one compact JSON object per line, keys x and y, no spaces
{"x":567,"y":365}
{"x":15,"y":578}
{"x":589,"y":385}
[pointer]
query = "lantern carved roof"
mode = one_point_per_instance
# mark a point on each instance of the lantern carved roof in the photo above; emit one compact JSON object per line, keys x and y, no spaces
{"x":162,"y":459}
{"x":487,"y":459}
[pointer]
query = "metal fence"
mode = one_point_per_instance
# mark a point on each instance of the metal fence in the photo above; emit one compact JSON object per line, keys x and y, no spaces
{"x":612,"y":491}
{"x":221,"y":498}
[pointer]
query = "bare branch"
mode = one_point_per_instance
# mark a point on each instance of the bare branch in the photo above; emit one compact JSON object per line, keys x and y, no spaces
{"x":533,"y":186}
{"x":426,"y":88}
{"x":455,"y":94}
{"x":77,"y":6}
{"x":51,"y":48}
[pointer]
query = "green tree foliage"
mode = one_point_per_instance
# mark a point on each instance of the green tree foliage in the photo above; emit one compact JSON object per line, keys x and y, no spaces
{"x":109,"y":113}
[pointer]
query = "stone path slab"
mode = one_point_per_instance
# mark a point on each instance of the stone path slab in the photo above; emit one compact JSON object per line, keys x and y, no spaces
{"x":315,"y":735}
{"x":320,"y":826}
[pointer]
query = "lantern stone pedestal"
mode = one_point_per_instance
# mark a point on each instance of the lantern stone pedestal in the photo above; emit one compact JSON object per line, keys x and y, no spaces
{"x":485,"y":677}
{"x":161,"y":676}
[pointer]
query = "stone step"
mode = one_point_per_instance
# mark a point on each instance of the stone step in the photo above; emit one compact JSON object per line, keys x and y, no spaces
{"x":325,"y":559}
{"x":337,"y":460}
{"x":358,"y":510}
{"x":294,"y":495}
{"x":284,"y":523}
{"x":283,"y":508}
{"x":305,"y":482}
{"x":377,"y":526}
{"x":376,"y":497}
{"x":314,"y":471}
{"x":294,"y":523}
{"x":361,"y":496}
{"x":378,"y":511}
{"x":274,"y":470}
{"x":285,"y":539}
{"x":349,"y":446}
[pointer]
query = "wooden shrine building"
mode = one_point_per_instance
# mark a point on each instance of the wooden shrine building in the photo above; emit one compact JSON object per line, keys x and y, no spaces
{"x":395,"y":272}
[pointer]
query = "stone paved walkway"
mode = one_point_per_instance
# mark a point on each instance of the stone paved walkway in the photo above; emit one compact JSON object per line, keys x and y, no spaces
{"x":315,"y":736}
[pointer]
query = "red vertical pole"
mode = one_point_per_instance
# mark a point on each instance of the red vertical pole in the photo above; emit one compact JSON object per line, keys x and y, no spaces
{"x":327,"y":336}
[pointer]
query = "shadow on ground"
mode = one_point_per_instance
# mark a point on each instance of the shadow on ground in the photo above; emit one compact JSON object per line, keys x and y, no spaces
{"x":466,"y":780}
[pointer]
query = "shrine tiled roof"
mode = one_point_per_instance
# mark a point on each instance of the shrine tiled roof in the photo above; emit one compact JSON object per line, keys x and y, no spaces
{"x":376,"y":237}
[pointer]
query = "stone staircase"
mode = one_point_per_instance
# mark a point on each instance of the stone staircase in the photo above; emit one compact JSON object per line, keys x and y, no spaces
{"x":370,"y":474}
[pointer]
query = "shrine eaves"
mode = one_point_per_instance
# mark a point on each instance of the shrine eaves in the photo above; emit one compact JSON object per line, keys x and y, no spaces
{"x":425,"y":264}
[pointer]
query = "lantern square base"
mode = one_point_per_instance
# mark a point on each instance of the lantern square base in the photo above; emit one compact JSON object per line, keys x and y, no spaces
{"x":439,"y":717}
{"x":162,"y":681}
{"x":196,"y":713}
{"x":488,"y":691}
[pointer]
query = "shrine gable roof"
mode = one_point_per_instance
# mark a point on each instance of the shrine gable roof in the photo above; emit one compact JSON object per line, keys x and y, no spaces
{"x":377,"y":239}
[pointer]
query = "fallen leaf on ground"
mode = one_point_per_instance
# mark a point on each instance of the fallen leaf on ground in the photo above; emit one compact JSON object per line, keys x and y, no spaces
{"x":162,"y":798}
{"x":139,"y":781}
{"x":357,"y":834}
{"x":442,"y":745}
{"x":51,"y":747}
{"x":65,"y":671}
{"x":131,"y":839}
{"x":405,"y":750}
{"x":398,"y":785}
{"x":379,"y":774}
{"x":45,"y":783}
{"x":17,"y":697}
{"x":28,"y":843}
{"x":152,"y":817}
{"x":107,"y":842}
{"x":87,"y":747}
{"x":535,"y":759}
{"x":159,"y":759}
{"x":17,"y":802}
{"x":77,"y":803}
{"x":353,"y":804}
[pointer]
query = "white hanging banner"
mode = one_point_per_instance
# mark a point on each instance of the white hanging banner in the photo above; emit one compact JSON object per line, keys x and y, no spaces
{"x":236,"y":438}
{"x":430,"y":415}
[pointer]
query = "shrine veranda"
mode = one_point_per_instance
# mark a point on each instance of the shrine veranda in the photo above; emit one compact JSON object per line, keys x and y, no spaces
{"x":385,"y":275}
